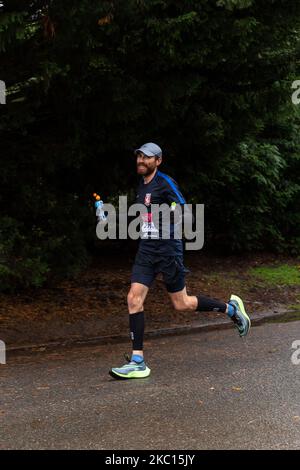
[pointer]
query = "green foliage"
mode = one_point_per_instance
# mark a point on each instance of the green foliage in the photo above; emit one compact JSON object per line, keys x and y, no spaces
{"x":88,"y":81}
{"x":232,"y":4}
{"x":11,"y":28}
{"x":278,"y":275}
{"x":21,"y":263}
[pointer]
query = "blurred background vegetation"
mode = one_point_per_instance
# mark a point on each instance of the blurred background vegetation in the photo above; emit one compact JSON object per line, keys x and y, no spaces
{"x":88,"y":81}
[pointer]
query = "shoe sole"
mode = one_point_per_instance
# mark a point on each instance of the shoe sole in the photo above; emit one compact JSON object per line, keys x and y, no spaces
{"x":242,"y":309}
{"x":132,"y":375}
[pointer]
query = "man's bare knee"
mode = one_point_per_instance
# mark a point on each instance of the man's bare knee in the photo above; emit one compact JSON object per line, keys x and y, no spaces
{"x":183,"y":304}
{"x":180,"y":305}
{"x":134,"y":302}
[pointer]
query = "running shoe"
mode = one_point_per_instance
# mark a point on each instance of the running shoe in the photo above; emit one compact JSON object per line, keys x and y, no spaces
{"x":131,"y":370}
{"x":240,"y":318}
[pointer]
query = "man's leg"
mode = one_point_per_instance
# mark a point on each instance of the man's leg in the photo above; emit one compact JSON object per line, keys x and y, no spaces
{"x":174,"y":277}
{"x":182,"y":301}
{"x":234,"y":308}
{"x":142,"y":277}
{"x":136,"y":367}
{"x":135,"y":301}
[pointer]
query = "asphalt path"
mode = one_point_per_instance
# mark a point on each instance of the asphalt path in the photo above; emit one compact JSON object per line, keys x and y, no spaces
{"x":210,"y":390}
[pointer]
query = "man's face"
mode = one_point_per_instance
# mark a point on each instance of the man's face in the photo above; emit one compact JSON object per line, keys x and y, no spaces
{"x":146,"y":165}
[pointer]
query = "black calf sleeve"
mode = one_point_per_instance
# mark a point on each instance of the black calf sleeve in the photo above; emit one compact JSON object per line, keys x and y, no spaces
{"x":206,"y":304}
{"x":136,"y":324}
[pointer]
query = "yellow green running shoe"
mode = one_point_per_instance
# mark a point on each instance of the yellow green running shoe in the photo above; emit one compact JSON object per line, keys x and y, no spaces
{"x":240,"y":318}
{"x":133,"y":370}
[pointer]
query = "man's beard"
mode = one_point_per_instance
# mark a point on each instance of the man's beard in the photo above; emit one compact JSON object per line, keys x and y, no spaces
{"x":147,"y":171}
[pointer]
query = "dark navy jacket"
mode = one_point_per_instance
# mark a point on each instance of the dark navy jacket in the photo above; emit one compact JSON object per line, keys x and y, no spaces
{"x":162,"y":189}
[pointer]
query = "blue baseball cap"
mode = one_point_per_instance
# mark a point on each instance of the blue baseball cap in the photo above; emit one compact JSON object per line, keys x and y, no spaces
{"x":150,"y":149}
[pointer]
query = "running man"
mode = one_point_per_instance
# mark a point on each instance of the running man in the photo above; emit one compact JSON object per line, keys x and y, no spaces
{"x":157,"y":255}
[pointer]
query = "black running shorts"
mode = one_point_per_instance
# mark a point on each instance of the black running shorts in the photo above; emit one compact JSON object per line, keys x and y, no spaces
{"x":147,"y":266}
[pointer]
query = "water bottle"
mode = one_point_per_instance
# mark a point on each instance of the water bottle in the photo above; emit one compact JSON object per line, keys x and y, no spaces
{"x":99,"y":208}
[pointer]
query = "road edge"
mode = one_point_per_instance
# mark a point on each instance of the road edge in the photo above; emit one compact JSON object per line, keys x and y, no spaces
{"x":170,"y":331}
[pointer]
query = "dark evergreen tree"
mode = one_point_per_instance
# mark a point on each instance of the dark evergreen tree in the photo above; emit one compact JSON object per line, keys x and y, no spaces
{"x":88,"y":81}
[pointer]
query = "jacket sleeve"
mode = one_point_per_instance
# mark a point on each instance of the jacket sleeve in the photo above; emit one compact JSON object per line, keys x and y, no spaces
{"x":175,"y":198}
{"x":172,"y":192}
